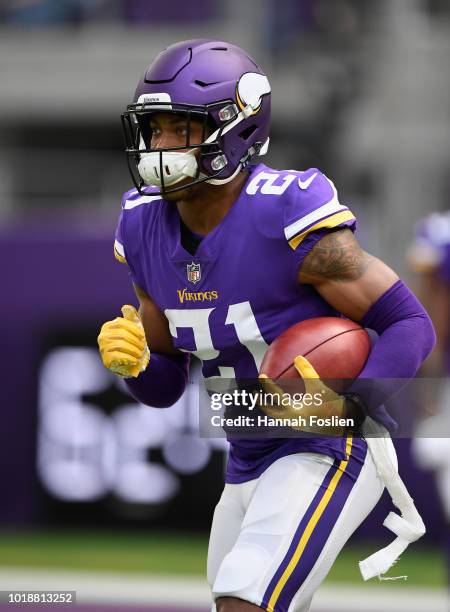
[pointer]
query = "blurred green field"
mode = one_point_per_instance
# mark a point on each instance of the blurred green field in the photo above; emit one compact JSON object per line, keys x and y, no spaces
{"x":180,"y":555}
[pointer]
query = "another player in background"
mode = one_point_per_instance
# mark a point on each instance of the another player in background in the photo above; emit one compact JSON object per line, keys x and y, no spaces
{"x":224,"y":256}
{"x":429,"y":257}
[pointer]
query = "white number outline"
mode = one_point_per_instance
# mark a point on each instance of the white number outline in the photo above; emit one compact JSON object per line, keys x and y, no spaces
{"x":240,"y":315}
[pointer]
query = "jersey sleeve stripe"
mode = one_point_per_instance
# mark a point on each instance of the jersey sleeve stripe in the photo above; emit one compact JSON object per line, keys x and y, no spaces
{"x":327,"y":209}
{"x":146,"y":199}
{"x":331,"y":221}
{"x":119,"y":252}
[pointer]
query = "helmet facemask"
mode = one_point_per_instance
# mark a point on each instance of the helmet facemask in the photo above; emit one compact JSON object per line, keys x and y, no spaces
{"x":167,"y":166}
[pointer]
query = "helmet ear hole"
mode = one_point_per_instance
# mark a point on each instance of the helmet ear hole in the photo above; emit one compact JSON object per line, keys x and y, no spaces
{"x":245,"y":134}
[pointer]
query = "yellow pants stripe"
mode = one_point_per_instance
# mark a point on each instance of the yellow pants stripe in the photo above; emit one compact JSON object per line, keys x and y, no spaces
{"x":310,"y":528}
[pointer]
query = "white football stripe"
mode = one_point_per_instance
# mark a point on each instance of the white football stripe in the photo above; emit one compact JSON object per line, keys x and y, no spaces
{"x":327,"y":209}
{"x":142,"y":200}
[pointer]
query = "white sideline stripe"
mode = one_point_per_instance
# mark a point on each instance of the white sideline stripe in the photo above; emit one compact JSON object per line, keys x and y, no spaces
{"x":119,"y":248}
{"x":330,"y":207}
{"x":142,"y":200}
{"x":100,"y":587}
{"x":148,"y":589}
{"x":386,"y":597}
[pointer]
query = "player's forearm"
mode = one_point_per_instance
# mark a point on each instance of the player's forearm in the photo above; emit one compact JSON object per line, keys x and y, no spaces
{"x":406,"y":337}
{"x":163,"y":382}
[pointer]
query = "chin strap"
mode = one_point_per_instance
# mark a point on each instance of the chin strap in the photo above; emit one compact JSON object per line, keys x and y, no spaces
{"x":225,"y":180}
{"x":262,"y":150}
{"x":408,"y":527}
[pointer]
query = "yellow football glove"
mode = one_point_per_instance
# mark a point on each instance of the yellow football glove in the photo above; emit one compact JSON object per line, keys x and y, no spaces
{"x":122,"y":343}
{"x":332,"y":404}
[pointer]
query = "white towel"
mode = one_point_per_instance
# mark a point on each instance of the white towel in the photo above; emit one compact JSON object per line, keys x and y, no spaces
{"x":409,"y":526}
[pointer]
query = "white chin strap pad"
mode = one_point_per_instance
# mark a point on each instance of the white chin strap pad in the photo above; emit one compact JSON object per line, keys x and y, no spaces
{"x":175,"y":166}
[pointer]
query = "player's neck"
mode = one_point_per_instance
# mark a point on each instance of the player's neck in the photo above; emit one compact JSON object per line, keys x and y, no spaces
{"x":209,"y":205}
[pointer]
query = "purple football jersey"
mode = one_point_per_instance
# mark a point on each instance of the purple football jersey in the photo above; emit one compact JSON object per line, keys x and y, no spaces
{"x":230,"y":300}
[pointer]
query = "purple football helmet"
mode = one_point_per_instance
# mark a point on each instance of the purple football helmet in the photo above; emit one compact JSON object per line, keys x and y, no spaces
{"x":208,"y":80}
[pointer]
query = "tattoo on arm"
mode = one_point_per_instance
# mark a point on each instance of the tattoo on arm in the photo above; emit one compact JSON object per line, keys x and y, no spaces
{"x":337,"y":256}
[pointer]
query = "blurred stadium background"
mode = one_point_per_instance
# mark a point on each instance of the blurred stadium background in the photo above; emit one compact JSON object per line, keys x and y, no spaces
{"x":99,"y":494}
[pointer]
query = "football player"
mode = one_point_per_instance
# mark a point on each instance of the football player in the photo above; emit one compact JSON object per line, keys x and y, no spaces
{"x":226,"y":253}
{"x":429,"y":257}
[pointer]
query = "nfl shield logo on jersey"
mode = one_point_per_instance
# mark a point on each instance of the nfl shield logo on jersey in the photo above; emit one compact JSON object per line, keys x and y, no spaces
{"x":194,"y":272}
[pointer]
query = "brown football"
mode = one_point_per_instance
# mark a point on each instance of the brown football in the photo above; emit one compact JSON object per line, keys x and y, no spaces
{"x":337,"y":349}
